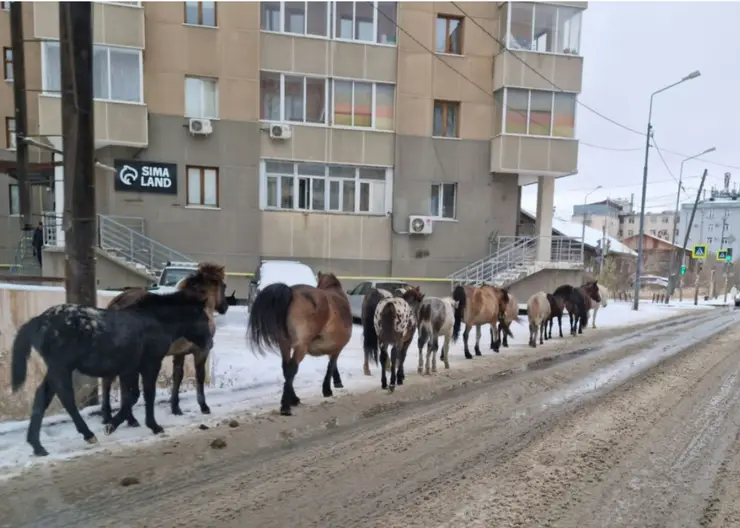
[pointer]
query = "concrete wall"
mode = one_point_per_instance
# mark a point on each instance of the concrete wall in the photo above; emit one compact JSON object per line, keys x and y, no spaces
{"x":109,"y":272}
{"x":546,"y":281}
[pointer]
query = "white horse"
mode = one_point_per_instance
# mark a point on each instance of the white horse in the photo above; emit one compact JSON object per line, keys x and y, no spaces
{"x":437,"y":317}
{"x":603,"y":293}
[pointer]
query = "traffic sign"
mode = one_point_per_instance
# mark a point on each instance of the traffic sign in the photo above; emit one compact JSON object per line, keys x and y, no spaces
{"x":728,"y":258}
{"x":699,"y":252}
{"x":683,"y":269}
{"x":722,"y":255}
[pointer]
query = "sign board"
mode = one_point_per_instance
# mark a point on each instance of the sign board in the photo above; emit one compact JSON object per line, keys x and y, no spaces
{"x":145,"y":177}
{"x":683,"y":269}
{"x":699,"y":251}
{"x":722,"y":255}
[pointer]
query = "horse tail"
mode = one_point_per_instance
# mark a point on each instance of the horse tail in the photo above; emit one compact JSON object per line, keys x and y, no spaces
{"x":268,"y":318}
{"x":458,"y":295}
{"x":22,"y":345}
{"x":369,"y":335}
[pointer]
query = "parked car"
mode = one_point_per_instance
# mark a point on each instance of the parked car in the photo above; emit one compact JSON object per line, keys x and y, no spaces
{"x":737,"y":300}
{"x":173,"y":273}
{"x":290,"y":272}
{"x":357,"y":294}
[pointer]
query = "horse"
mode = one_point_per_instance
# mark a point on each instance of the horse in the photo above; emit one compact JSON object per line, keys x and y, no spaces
{"x":604,"y":294}
{"x":207,"y":283}
{"x":511,"y":314}
{"x":369,"y":339}
{"x":105,"y":343}
{"x":307,"y":320}
{"x":575,"y":300}
{"x":480,"y":305}
{"x":438,"y":316}
{"x":538,"y":313}
{"x":394,"y":324}
{"x":557,"y":305}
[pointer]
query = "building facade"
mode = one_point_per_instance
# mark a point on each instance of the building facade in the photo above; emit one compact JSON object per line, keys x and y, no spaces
{"x":602,"y":216}
{"x":315,"y":130}
{"x":716,"y":221}
{"x":660,"y":225}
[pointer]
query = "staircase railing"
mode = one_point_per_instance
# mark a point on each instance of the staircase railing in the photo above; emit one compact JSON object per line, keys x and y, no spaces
{"x":134,"y":247}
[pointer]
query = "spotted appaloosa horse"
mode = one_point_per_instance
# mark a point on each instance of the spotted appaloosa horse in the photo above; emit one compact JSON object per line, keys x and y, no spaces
{"x":437,"y":317}
{"x":394,"y":324}
{"x":369,"y":337}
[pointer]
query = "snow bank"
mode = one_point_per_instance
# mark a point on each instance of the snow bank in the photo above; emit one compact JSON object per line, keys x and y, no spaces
{"x":290,"y":272}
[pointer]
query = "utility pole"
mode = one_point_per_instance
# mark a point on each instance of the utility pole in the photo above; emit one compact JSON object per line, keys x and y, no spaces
{"x":21,"y":112}
{"x":721,"y":246}
{"x":78,"y":140}
{"x":682,"y":249}
{"x":696,"y":285}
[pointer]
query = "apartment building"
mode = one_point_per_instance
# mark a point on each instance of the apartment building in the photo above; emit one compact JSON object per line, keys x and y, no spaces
{"x":329,"y":132}
{"x":602,"y":216}
{"x":716,"y":221}
{"x":658,"y":224}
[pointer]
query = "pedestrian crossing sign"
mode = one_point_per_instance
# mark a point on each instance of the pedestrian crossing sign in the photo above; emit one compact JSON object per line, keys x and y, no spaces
{"x":699,"y":252}
{"x":722,"y":255}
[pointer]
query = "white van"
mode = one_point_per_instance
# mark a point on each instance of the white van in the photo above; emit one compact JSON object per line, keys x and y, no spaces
{"x":290,"y":272}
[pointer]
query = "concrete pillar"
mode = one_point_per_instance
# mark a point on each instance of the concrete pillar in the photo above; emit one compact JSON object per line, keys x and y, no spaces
{"x":543,"y":224}
{"x":59,"y":200}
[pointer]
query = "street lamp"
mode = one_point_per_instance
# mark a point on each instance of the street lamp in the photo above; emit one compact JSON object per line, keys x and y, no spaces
{"x":671,"y":271}
{"x":641,"y":232}
{"x":583,"y":224}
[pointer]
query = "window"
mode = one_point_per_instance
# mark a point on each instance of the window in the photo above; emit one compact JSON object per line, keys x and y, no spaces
{"x":652,"y":232}
{"x":630,"y":232}
{"x":8,"y":64}
{"x":318,"y":187}
{"x":710,"y":240}
{"x":710,"y":213}
{"x":10,"y":138}
{"x":631,"y":220}
{"x":5,"y":6}
{"x":710,"y":227}
{"x":541,"y":27}
{"x":371,"y":22}
{"x":14,"y":200}
{"x":200,"y":13}
{"x":363,"y":104}
{"x":664,"y":219}
{"x":293,"y":98}
{"x":117,"y":74}
{"x":202,"y":186}
{"x":446,"y":122}
{"x":536,"y":112}
{"x":201,"y":97}
{"x":448,"y":35}
{"x":724,"y":242}
{"x":443,"y":200}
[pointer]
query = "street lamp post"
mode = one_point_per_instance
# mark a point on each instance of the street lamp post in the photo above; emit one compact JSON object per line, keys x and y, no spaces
{"x":641,"y":232}
{"x":583,"y":224}
{"x":671,"y":271}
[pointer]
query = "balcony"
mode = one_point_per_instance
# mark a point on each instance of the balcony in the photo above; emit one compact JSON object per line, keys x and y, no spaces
{"x":564,"y":71}
{"x":533,"y":156}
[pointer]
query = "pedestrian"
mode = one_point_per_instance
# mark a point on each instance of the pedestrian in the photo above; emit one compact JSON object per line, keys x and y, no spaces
{"x":38,"y":242}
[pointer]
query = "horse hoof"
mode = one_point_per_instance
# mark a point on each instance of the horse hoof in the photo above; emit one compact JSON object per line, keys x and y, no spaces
{"x":92,"y":440}
{"x":468,"y":356}
{"x":108,"y":429}
{"x":205,"y":409}
{"x":286,"y":412}
{"x":339,"y":385}
{"x":40,"y":452}
{"x":328,"y":394}
{"x":419,"y":370}
{"x":156,"y":429}
{"x":391,"y":388}
{"x":296,"y":401}
{"x":177,"y":411}
{"x":134,"y":423}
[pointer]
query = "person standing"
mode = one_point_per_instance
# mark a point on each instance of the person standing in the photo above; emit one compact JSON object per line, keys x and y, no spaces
{"x":38,"y":242}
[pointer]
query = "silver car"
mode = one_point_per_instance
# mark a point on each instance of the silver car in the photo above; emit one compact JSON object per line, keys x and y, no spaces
{"x":357,"y":294}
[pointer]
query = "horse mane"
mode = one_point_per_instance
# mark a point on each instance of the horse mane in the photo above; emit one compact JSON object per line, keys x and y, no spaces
{"x":328,"y":281}
{"x":563,"y":291}
{"x":208,"y":274}
{"x":413,"y":294}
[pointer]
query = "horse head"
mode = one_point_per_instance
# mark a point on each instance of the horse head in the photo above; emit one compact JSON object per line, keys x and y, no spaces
{"x":328,"y":281}
{"x":592,"y":290}
{"x":503,"y":299}
{"x":209,"y":282}
{"x":413,"y":296}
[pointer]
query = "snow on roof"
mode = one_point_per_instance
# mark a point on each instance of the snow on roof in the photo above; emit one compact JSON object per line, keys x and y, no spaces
{"x":592,"y":236}
{"x":290,"y":272}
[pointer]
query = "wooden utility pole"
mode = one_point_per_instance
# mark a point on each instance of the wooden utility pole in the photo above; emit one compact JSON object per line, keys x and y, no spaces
{"x":696,"y":285}
{"x":78,"y":145}
{"x":21,"y":112}
{"x":682,"y":249}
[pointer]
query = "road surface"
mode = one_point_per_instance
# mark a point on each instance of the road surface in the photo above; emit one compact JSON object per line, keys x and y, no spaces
{"x":623,"y":428}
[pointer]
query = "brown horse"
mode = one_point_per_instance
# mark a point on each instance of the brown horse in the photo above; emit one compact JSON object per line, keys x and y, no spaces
{"x":480,"y":305}
{"x":510,"y":315}
{"x":577,"y":302}
{"x":208,"y":284}
{"x":307,"y":320}
{"x":557,"y":306}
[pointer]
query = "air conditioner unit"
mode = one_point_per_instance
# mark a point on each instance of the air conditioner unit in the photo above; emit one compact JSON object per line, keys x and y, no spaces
{"x":200,"y":127}
{"x":420,"y":225}
{"x":280,"y":132}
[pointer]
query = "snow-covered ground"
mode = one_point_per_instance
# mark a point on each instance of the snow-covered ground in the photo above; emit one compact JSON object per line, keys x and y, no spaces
{"x":243,"y":382}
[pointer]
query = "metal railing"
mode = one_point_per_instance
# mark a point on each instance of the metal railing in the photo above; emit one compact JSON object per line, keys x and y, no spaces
{"x":133,"y":247}
{"x":517,"y":257}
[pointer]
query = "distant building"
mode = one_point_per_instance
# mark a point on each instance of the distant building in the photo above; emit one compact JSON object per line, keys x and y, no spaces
{"x":599,"y":215}
{"x":660,"y":225}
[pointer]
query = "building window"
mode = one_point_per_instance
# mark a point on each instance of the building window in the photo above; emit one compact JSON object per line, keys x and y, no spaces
{"x":14,"y":200}
{"x":710,"y":240}
{"x":202,"y":186}
{"x":664,"y":219}
{"x":630,"y":232}
{"x":8,"y":64}
{"x":631,"y":220}
{"x":446,"y":121}
{"x":10,"y":137}
{"x":543,"y":28}
{"x":293,"y":98}
{"x":443,"y":200}
{"x":4,"y":6}
{"x":710,"y":213}
{"x":537,"y":112}
{"x":363,"y":104}
{"x":724,"y":242}
{"x":652,"y":232}
{"x":117,"y":73}
{"x":200,"y":13}
{"x":372,"y":22}
{"x":201,"y":97}
{"x":318,"y":187}
{"x":710,"y":227}
{"x":448,"y":34}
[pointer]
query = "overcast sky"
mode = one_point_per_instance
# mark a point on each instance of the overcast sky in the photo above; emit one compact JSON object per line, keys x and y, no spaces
{"x":630,"y":50}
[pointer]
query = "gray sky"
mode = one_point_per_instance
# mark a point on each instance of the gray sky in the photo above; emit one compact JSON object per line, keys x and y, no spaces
{"x":630,"y":50}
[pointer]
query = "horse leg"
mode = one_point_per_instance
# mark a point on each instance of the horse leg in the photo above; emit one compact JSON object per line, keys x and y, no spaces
{"x":504,"y":328}
{"x":423,"y":340}
{"x":326,"y":386}
{"x":135,"y":393}
{"x":62,"y":383}
{"x":560,"y":324}
{"x":149,"y":382}
{"x":466,"y":334}
{"x":289,"y":398}
{"x":383,"y":362}
{"x":41,"y":400}
{"x":335,"y":375}
{"x":394,"y":363}
{"x":446,"y":350}
{"x":496,"y":344}
{"x":596,"y":310}
{"x":477,"y":340}
{"x":125,"y":412}
{"x":542,"y":333}
{"x":400,"y":372}
{"x":435,"y":341}
{"x":200,"y":358}
{"x":105,"y":405}
{"x":492,"y":340}
{"x":178,"y":371}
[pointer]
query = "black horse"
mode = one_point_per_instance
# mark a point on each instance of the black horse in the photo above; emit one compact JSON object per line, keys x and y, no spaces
{"x":576,"y":301}
{"x":105,"y":343}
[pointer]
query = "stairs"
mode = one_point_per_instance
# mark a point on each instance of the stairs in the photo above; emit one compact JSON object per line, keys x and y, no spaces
{"x":516,"y":259}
